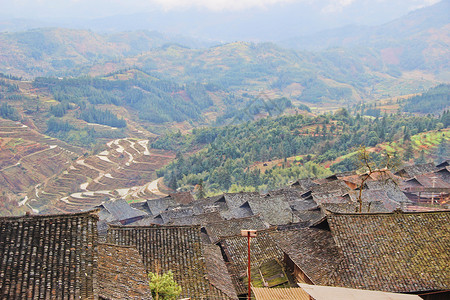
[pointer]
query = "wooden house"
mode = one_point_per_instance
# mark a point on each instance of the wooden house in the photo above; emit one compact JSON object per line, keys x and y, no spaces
{"x":176,"y":248}
{"x":393,"y":252}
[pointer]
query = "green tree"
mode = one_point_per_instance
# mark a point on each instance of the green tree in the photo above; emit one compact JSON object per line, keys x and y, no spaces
{"x":409,"y":152}
{"x":369,"y":166}
{"x":163,"y":286}
{"x":441,"y":151}
{"x":200,"y":190}
{"x":406,"y":135}
{"x":421,"y":159}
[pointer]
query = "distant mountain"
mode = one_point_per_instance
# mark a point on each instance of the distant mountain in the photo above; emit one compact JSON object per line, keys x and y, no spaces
{"x":256,"y":22}
{"x":419,"y":40}
{"x":414,"y":24}
{"x":62,"y":52}
{"x":341,"y":75}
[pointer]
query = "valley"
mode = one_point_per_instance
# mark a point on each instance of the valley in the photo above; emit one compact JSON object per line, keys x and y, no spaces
{"x":88,"y":116}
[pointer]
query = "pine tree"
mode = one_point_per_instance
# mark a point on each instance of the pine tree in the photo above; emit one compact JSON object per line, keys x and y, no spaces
{"x":421,"y":159}
{"x":409,"y":152}
{"x":200,"y":190}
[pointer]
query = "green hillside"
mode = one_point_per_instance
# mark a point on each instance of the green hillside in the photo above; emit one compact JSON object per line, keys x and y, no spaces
{"x":433,"y":101}
{"x":303,"y":146}
{"x":328,"y":76}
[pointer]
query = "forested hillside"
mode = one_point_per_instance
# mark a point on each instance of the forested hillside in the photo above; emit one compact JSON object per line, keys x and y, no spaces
{"x":155,"y":100}
{"x":242,"y":156}
{"x":434,"y":101}
{"x":331,"y":75}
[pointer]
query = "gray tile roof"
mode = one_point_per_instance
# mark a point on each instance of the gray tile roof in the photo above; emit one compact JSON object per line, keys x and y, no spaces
{"x":209,"y":205}
{"x":313,"y":250}
{"x":330,"y":197}
{"x":332,"y":187}
{"x":175,"y":248}
{"x":48,"y":257}
{"x":217,"y":271}
{"x":304,"y":184}
{"x":121,"y":273}
{"x":176,"y":213}
{"x":202,"y":219}
{"x":444,"y":174}
{"x":411,"y":171}
{"x":231,"y":205}
{"x":160,"y":205}
{"x":275,"y":210}
{"x":118,"y":210}
{"x":233,"y":227}
{"x":353,"y":207}
{"x":267,"y":259}
{"x":391,"y":188}
{"x":394,"y":252}
{"x":291,"y":194}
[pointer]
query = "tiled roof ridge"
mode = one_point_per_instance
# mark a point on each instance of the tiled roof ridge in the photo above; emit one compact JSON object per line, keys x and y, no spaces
{"x":153,"y":226}
{"x":395,"y":212}
{"x":203,"y":266}
{"x":235,"y":219}
{"x":268,"y":230}
{"x":242,"y":192}
{"x":89,"y":213}
{"x":116,"y":245}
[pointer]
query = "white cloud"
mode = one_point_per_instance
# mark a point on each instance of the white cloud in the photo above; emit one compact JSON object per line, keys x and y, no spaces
{"x":219,"y":5}
{"x":336,"y":6}
{"x":100,"y":8}
{"x":422,"y":3}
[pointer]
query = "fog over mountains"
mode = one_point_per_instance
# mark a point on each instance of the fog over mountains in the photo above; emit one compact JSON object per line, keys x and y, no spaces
{"x":223,"y":21}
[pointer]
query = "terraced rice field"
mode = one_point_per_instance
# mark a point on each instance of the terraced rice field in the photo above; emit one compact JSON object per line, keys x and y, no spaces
{"x":126,"y":169}
{"x":28,"y":157}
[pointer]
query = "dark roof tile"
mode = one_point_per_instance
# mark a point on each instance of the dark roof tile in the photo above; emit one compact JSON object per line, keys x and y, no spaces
{"x":313,"y":250}
{"x":395,"y":252}
{"x":202,"y":219}
{"x":175,"y":248}
{"x":217,"y":271}
{"x":121,"y":273}
{"x":275,"y":210}
{"x":118,"y":210}
{"x":352,"y":207}
{"x":46,"y":257}
{"x":411,"y":171}
{"x":233,"y":227}
{"x":267,"y":259}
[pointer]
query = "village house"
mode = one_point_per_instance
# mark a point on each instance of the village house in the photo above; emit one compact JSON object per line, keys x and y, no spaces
{"x":267,"y":266}
{"x":59,"y":257}
{"x":179,"y":249}
{"x":52,"y":256}
{"x":393,"y":252}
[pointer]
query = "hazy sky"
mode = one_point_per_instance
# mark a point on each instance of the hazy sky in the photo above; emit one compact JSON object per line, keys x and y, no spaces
{"x":218,"y":20}
{"x":103,"y":8}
